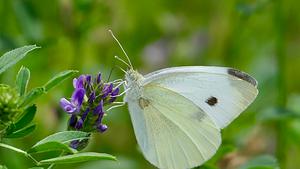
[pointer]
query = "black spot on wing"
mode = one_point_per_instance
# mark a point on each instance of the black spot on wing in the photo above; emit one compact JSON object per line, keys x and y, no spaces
{"x":212,"y":101}
{"x":242,"y":75}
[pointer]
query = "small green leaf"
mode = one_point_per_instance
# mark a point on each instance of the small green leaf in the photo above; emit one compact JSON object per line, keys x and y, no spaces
{"x":25,"y":120}
{"x":36,"y":168}
{"x":59,"y":78}
{"x":80,"y":157}
{"x":28,"y":116}
{"x":261,"y":162}
{"x":12,"y":57}
{"x":21,"y":133}
{"x":22,"y":80}
{"x":51,"y":146}
{"x":32,"y":95}
{"x":65,"y":137}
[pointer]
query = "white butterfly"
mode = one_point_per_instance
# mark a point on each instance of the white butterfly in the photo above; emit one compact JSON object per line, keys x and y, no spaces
{"x":177,"y":113}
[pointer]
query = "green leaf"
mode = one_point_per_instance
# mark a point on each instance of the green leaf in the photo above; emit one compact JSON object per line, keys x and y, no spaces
{"x":59,"y":78}
{"x":261,"y":162}
{"x":36,"y":168}
{"x":51,"y":146}
{"x":80,"y":157}
{"x":64,"y":137}
{"x":12,"y":57}
{"x":32,"y":95}
{"x":27,"y":117}
{"x":21,"y":133}
{"x":22,"y":80}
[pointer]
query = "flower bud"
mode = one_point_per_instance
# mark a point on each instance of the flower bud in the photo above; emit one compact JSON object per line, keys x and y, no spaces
{"x":9,"y":110}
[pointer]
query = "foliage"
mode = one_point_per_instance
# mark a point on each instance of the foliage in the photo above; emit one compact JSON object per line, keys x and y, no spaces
{"x":260,"y":37}
{"x":16,"y":123}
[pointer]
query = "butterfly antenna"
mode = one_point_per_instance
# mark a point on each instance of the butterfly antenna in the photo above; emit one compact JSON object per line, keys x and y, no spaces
{"x":112,"y":34}
{"x":116,"y":57}
{"x":122,"y":69}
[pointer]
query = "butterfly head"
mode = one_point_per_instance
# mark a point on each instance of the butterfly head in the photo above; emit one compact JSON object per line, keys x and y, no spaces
{"x":133,"y":78}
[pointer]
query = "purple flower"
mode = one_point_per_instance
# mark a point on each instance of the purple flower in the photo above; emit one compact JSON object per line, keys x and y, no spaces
{"x":74,"y":144}
{"x":102,"y":128}
{"x":114,"y":95}
{"x":98,"y":78}
{"x":99,"y":109}
{"x":76,"y":101}
{"x":92,"y":97}
{"x":73,"y":121}
{"x":88,"y":79}
{"x":107,"y":89}
{"x":86,"y":105}
{"x":67,"y":106}
{"x":79,"y":124}
{"x":79,"y":83}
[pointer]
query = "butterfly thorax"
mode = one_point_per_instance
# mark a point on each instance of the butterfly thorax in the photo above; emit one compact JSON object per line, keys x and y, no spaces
{"x":133,"y":83}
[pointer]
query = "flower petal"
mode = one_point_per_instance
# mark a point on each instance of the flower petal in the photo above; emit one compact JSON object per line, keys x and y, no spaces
{"x":107,"y":89}
{"x":88,"y":79}
{"x":79,"y":124}
{"x":102,"y":128}
{"x":67,"y":106}
{"x":73,"y":121}
{"x":114,"y":95}
{"x":98,"y":78}
{"x":92,"y":97}
{"x":99,"y":109}
{"x":80,"y":82}
{"x":78,"y":97}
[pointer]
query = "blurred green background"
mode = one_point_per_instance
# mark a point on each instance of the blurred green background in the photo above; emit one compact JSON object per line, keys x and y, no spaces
{"x":260,"y":37}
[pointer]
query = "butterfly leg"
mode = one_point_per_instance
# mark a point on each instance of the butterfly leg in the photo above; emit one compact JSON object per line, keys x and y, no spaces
{"x":119,"y":104}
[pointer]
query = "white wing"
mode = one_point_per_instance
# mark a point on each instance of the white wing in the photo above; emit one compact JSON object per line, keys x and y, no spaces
{"x":172,"y":131}
{"x":222,"y":93}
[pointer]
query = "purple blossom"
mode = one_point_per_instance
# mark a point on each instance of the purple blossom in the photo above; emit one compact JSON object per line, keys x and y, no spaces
{"x":99,"y":109}
{"x":79,"y":83}
{"x":79,"y":124}
{"x":92,"y":97}
{"x":76,"y":101}
{"x":88,"y":79}
{"x":74,"y":144}
{"x":86,"y":105}
{"x":102,"y":128}
{"x":114,"y":94}
{"x":107,"y":89}
{"x":98,"y":80}
{"x":73,"y":121}
{"x":67,"y":106}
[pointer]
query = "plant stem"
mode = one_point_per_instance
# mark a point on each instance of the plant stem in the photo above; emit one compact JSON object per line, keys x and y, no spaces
{"x":13,"y":148}
{"x":281,"y":67}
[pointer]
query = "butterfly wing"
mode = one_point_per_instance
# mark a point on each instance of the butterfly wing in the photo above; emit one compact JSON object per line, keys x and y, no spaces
{"x":222,"y":93}
{"x":172,"y":131}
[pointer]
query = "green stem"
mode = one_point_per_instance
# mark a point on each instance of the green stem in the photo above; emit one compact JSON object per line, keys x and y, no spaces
{"x":13,"y":148}
{"x":281,"y":67}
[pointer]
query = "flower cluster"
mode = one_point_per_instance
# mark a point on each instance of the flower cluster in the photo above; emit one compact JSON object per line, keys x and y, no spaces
{"x":86,"y":106}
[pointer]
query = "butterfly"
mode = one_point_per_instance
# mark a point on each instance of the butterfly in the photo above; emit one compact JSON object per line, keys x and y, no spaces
{"x":177,"y":113}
